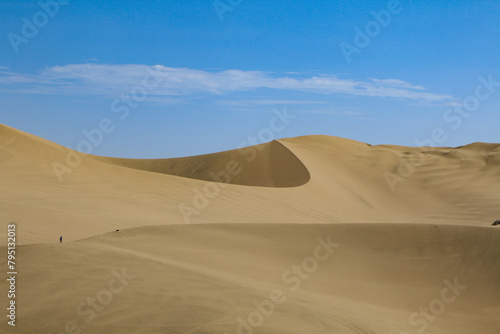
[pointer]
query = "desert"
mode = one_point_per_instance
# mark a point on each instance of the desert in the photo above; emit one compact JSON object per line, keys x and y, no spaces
{"x":249,"y":167}
{"x":305,"y":237}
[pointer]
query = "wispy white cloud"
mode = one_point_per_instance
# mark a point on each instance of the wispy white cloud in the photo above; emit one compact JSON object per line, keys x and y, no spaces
{"x":267,"y":102}
{"x":110,"y":80}
{"x":396,"y":83}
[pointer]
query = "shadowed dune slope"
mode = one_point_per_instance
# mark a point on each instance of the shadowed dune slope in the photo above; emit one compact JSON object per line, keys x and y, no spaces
{"x":266,"y":165}
{"x":203,"y":278}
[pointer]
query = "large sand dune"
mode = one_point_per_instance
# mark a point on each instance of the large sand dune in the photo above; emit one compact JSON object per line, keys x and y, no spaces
{"x":268,"y":165}
{"x":411,"y":248}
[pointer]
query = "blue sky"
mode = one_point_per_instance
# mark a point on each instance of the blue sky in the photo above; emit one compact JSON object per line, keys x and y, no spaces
{"x":197,"y":77}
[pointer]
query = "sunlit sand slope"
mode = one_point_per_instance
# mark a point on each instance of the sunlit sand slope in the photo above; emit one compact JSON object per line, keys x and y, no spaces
{"x":224,"y":278}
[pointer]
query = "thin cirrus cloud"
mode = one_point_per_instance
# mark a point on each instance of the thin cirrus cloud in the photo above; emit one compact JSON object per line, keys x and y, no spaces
{"x":109,"y":80}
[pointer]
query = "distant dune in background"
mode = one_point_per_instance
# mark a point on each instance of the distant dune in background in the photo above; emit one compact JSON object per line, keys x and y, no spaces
{"x":406,"y":223}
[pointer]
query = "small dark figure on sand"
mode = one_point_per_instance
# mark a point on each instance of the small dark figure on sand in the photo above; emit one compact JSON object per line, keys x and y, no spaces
{"x":60,"y":239}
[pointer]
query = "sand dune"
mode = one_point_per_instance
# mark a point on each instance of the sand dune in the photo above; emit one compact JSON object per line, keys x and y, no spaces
{"x":313,"y":179}
{"x":407,"y":223}
{"x":267,"y":165}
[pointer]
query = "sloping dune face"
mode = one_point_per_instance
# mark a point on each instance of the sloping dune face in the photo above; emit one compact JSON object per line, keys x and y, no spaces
{"x":265,"y":165}
{"x":406,"y":184}
{"x":234,"y":278}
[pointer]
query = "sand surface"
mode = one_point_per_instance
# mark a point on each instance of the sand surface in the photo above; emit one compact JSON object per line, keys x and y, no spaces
{"x":313,"y":234}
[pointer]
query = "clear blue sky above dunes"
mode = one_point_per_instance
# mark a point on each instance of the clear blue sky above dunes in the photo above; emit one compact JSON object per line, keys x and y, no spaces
{"x":177,"y":78}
